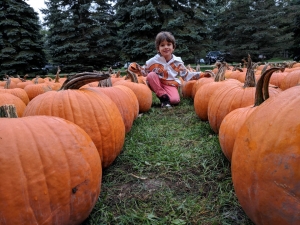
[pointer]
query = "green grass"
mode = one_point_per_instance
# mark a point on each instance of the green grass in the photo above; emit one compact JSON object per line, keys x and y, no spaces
{"x":171,"y":171}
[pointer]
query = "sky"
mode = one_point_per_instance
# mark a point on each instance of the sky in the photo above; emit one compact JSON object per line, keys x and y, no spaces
{"x":36,"y":5}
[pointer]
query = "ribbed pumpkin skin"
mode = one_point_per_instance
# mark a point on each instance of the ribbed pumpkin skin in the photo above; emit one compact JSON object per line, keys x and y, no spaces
{"x":7,"y":98}
{"x":199,"y":83}
{"x":19,"y":92}
{"x":230,"y":126}
{"x":265,"y":162}
{"x":291,"y":79}
{"x":204,"y":94}
{"x":96,"y":113}
{"x":125,"y":100}
{"x":34,"y":90}
{"x":227,"y":99}
{"x":50,"y":172}
{"x":142,"y":92}
{"x":187,"y":88}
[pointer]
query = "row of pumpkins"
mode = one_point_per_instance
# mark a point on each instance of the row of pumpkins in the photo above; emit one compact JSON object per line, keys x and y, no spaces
{"x":256,"y":113}
{"x":66,"y":132}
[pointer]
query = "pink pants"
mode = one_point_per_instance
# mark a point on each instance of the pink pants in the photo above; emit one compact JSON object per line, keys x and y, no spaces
{"x":161,"y":89}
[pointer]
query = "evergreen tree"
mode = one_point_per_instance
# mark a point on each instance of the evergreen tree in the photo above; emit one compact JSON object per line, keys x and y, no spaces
{"x":253,"y":27}
{"x":20,"y":40}
{"x":294,"y":9}
{"x":79,"y":34}
{"x":140,"y":21}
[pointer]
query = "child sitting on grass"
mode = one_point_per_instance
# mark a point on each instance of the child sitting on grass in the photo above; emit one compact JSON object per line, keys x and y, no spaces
{"x":163,"y":69}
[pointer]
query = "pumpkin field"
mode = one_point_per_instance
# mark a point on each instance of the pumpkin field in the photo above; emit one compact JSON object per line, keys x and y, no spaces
{"x":96,"y":148}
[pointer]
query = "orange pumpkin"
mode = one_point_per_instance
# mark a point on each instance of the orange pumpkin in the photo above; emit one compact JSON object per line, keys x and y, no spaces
{"x":36,"y":88}
{"x":233,"y":121}
{"x":142,"y":92}
{"x":291,"y":79}
{"x":18,"y":92}
{"x":7,"y":98}
{"x":231,"y":97}
{"x":265,"y":161}
{"x":204,"y":93}
{"x":187,"y":88}
{"x":94,"y":112}
{"x":125,"y":100}
{"x":50,"y":171}
{"x":207,"y":77}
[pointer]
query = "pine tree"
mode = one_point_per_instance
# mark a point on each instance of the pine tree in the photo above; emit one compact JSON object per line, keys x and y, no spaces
{"x":294,"y":27}
{"x":257,"y":28}
{"x":140,"y":21}
{"x":20,"y":40}
{"x":79,"y":34}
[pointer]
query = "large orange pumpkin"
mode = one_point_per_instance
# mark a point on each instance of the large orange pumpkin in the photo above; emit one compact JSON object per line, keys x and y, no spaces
{"x":231,"y":97}
{"x":233,"y":121}
{"x":265,"y":161}
{"x":50,"y":171}
{"x":125,"y":100}
{"x":95,"y":112}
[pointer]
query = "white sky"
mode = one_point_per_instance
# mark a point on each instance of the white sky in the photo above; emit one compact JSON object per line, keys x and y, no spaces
{"x":36,"y":5}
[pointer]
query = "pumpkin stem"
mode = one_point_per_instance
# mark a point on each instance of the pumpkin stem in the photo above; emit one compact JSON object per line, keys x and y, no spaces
{"x":132,"y":76}
{"x":250,"y":75}
{"x":262,"y":86}
{"x":267,"y":80}
{"x":8,"y":111}
{"x":57,"y":75}
{"x":36,"y":80}
{"x":78,"y":80}
{"x":21,"y":79}
{"x":105,"y":83}
{"x":220,"y":76}
{"x":7,"y":84}
{"x":208,"y":73}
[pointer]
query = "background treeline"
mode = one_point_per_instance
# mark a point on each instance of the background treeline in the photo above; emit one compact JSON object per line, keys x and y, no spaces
{"x":86,"y":35}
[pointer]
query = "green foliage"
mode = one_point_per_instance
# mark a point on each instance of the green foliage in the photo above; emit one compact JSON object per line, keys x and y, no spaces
{"x":140,"y":21}
{"x":20,"y":40}
{"x":171,"y":171}
{"x":254,"y":27}
{"x":80,"y":36}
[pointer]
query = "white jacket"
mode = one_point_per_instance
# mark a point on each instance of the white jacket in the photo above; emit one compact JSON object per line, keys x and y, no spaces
{"x":169,"y":70}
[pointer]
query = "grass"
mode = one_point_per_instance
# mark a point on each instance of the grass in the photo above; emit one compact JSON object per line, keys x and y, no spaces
{"x":171,"y":171}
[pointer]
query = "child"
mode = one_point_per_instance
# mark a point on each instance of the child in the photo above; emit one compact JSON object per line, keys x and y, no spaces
{"x":162,"y":71}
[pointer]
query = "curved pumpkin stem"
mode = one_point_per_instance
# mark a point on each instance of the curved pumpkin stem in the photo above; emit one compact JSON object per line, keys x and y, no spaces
{"x":8,"y":111}
{"x":262,"y":86}
{"x":264,"y":68}
{"x":208,"y":73}
{"x":250,"y":75}
{"x":78,"y":80}
{"x":267,"y":78}
{"x":132,"y":76}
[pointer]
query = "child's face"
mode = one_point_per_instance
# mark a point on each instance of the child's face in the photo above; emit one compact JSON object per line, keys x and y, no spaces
{"x":166,"y":49}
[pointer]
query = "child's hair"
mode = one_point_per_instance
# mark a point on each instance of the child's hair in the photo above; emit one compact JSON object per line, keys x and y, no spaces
{"x":164,"y":36}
